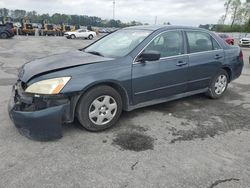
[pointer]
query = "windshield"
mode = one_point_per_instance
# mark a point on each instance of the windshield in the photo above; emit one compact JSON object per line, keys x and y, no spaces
{"x":118,"y":44}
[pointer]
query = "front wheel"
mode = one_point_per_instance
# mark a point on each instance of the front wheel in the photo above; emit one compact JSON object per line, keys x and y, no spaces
{"x":218,"y":85}
{"x":3,"y":35}
{"x":100,"y":108}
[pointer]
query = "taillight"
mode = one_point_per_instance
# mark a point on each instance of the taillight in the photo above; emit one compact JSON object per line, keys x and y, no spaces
{"x":241,"y":55}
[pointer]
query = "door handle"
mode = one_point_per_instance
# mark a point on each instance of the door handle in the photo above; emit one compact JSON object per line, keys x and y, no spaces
{"x":217,"y":56}
{"x":181,"y":63}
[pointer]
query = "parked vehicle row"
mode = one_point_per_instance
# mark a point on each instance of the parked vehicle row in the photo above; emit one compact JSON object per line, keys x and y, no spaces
{"x":128,"y":69}
{"x":243,"y":42}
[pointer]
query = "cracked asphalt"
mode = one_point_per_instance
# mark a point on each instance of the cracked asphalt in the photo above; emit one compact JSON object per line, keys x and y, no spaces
{"x":194,"y":142}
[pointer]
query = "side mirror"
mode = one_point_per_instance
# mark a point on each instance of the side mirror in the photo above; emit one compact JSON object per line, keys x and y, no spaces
{"x":149,"y":55}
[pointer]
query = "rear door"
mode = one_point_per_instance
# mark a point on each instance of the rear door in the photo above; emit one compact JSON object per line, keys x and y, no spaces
{"x":205,"y":59}
{"x":164,"y":77}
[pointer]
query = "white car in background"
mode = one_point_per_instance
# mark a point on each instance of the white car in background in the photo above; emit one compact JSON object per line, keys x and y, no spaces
{"x":80,"y":33}
{"x":245,"y":42}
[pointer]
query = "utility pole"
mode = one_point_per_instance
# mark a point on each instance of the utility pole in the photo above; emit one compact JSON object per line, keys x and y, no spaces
{"x":113,"y":9}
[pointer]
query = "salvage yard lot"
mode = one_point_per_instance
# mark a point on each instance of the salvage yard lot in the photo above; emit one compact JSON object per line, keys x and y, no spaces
{"x":192,"y":142}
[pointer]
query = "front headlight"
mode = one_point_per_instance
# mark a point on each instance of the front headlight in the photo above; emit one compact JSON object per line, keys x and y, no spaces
{"x":50,"y":86}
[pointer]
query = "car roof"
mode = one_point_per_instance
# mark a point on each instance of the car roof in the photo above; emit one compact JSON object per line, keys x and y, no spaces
{"x":163,"y":27}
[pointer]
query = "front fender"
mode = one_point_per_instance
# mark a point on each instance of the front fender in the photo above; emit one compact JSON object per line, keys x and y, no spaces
{"x":125,"y":92}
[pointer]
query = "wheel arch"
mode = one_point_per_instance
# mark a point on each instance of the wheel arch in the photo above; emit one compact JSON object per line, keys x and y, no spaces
{"x":8,"y":35}
{"x":91,"y":36}
{"x":229,"y":72}
{"x":115,"y":85}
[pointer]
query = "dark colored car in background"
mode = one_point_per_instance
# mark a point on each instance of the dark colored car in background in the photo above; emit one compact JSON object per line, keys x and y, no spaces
{"x":128,"y":69}
{"x":228,"y":39}
{"x":6,"y":32}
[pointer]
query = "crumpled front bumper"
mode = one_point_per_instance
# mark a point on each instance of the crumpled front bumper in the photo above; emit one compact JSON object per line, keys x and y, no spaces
{"x":38,"y":118}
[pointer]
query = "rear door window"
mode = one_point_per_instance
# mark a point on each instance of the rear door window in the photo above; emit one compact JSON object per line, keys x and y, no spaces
{"x":199,"y":41}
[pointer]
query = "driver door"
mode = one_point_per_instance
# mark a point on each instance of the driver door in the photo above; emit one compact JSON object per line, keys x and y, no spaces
{"x":83,"y":33}
{"x":165,"y":77}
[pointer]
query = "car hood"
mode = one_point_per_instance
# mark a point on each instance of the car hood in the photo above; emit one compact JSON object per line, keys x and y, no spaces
{"x":246,"y":38}
{"x":57,"y":62}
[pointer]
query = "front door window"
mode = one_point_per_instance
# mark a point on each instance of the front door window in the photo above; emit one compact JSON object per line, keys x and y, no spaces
{"x":168,"y":44}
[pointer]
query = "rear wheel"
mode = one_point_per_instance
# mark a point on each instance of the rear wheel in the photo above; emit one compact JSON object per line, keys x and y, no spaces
{"x":218,"y":85}
{"x":99,"y":108}
{"x":4,"y":35}
{"x":72,"y":36}
{"x":90,"y":37}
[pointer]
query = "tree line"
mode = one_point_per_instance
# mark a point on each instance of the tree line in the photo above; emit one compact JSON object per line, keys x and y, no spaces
{"x":84,"y":20}
{"x":237,"y":14}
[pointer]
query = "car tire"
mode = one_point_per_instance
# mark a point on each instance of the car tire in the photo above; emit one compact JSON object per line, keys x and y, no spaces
{"x":218,"y":85}
{"x":72,"y":36}
{"x":99,"y":108}
{"x":3,"y":35}
{"x":90,"y":37}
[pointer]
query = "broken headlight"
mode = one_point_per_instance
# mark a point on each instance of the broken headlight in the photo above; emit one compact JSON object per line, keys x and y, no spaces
{"x":50,"y":86}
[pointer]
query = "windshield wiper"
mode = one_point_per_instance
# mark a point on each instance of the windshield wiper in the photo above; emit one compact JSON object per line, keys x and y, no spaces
{"x":95,"y":53}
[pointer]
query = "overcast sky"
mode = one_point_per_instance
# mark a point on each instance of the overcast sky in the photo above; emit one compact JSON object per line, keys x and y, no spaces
{"x":177,"y":12}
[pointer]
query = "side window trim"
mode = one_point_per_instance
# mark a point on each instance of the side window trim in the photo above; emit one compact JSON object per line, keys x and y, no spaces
{"x":214,"y":40}
{"x":163,"y":32}
{"x":188,"y":47}
{"x":187,"y":43}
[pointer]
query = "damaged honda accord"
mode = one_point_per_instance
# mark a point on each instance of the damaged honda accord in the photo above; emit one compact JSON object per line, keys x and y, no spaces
{"x":128,"y":69}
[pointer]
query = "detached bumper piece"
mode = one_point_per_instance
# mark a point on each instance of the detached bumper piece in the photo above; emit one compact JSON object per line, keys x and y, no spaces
{"x":39,"y":118}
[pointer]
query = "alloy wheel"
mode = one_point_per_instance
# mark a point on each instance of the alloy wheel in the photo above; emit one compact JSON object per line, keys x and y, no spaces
{"x":220,"y":84}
